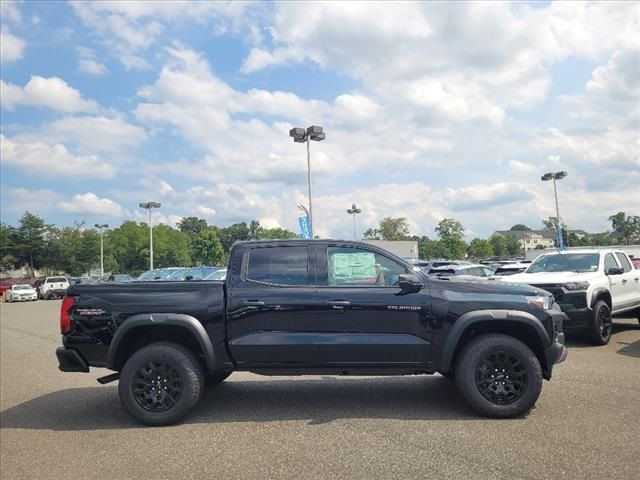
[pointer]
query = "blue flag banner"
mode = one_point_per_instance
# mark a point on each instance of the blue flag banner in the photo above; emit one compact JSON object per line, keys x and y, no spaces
{"x":305,"y":227}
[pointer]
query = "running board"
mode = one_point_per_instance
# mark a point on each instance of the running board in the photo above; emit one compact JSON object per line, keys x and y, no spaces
{"x":109,"y":378}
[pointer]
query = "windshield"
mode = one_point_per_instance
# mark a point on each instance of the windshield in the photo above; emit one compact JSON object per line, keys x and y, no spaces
{"x":23,"y":287}
{"x":565,"y":262}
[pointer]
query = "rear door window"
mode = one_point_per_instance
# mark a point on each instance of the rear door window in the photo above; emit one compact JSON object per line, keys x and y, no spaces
{"x":622,"y":258}
{"x":279,"y":265}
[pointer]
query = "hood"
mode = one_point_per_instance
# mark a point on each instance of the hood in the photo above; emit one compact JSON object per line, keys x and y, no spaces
{"x":542,"y":278}
{"x":484,"y":287}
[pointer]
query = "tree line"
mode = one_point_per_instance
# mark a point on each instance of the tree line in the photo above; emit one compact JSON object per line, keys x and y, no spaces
{"x":449,"y":243}
{"x":75,"y":250}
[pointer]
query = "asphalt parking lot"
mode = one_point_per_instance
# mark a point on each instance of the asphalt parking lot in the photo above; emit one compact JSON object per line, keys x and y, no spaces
{"x":55,"y":425}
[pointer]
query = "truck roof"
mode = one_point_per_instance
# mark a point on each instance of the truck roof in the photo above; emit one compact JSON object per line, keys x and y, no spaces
{"x":586,"y":250}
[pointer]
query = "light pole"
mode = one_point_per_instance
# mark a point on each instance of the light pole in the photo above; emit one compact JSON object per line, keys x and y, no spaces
{"x":300,"y":135}
{"x":556,"y":176}
{"x":354,"y":211}
{"x":101,"y":226}
{"x":149,"y":206}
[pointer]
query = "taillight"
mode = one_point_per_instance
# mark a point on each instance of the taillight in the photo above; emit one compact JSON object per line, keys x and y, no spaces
{"x":65,"y":319}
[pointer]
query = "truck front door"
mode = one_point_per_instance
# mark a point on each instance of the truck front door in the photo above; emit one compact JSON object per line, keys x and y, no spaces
{"x":272,"y":307}
{"x":364,"y":318}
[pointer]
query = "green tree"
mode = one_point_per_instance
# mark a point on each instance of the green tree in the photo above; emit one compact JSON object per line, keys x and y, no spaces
{"x":498,"y":245}
{"x":625,"y":226}
{"x":9,"y":251}
{"x":371,"y":234}
{"x":206,"y":247}
{"x":31,"y":239}
{"x":127,"y":248}
{"x":480,"y":248}
{"x":235,"y":233}
{"x":170,"y":247}
{"x":192,"y":225}
{"x":394,"y":228}
{"x":512,"y":245}
{"x":450,"y":228}
{"x":551,"y":223}
{"x":428,"y":248}
{"x":276,"y":234}
{"x":519,"y":227}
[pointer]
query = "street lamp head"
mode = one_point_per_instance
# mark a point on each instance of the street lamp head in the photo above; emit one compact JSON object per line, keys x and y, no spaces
{"x":318,"y":137}
{"x":101,"y":225}
{"x":560,"y":175}
{"x":546,"y":177}
{"x":353,"y":209}
{"x":150,"y":205}
{"x":298,"y":133}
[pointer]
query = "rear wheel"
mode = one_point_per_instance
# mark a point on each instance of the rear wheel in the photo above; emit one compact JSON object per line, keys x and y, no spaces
{"x":160,"y":383}
{"x":499,"y":376}
{"x":599,"y":331}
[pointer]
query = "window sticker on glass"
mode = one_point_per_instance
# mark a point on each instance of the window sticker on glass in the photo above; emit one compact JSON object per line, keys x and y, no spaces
{"x":349,"y":267}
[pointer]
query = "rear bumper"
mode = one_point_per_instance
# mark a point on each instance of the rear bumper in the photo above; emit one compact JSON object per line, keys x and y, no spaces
{"x":69,"y":360}
{"x":56,"y":293}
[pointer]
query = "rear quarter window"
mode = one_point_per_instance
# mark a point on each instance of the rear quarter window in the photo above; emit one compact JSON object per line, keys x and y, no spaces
{"x":279,"y":265}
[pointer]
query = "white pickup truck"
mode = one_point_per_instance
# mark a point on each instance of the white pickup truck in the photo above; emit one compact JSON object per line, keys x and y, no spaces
{"x":591,"y":287}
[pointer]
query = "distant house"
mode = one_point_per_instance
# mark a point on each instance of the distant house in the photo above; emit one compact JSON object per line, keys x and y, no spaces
{"x":532,"y":239}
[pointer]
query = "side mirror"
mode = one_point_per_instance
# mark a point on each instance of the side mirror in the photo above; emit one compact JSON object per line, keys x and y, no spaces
{"x":189,"y":278}
{"x":410,"y":282}
{"x":615,"y":271}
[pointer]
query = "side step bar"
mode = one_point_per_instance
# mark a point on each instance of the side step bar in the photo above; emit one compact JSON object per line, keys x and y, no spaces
{"x":109,"y":378}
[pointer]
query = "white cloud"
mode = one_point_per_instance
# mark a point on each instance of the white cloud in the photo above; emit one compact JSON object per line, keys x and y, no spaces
{"x":88,"y":63}
{"x":53,"y":93}
{"x":91,"y":203}
{"x":11,"y":47}
{"x":9,"y":12}
{"x":40,"y":159}
{"x":522,"y":167}
{"x":89,"y":134}
{"x":129,"y":29}
{"x":21,"y":199}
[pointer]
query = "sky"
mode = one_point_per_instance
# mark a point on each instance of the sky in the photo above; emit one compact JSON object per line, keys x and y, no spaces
{"x":431,"y":110}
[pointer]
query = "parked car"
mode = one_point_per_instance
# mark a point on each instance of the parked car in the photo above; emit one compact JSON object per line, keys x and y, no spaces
{"x":122,"y":278}
{"x":5,"y":285}
{"x":21,"y":293}
{"x":219,"y":274}
{"x":475,"y":271}
{"x":293,"y":307}
{"x":53,"y":287}
{"x":426,"y":266}
{"x":591,"y":286}
{"x":636,"y":263}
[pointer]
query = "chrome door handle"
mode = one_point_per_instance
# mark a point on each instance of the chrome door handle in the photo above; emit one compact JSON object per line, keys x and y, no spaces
{"x":338,"y":304}
{"x":252,"y":303}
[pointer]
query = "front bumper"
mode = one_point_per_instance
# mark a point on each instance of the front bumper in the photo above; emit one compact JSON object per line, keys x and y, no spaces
{"x":557,"y":351}
{"x":70,"y":360}
{"x":24,"y":298}
{"x":576,"y":318}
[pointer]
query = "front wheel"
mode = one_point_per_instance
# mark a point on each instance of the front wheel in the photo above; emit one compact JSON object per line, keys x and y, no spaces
{"x":160,"y":383}
{"x":499,"y":376}
{"x":599,"y":331}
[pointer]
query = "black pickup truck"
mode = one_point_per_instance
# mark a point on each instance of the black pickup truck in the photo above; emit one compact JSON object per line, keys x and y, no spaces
{"x":300,"y":307}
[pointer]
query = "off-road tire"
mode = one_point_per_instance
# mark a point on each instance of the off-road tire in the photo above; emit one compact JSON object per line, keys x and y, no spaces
{"x":472,"y":359}
{"x":601,"y":325}
{"x":215,"y":378}
{"x":185,"y":365}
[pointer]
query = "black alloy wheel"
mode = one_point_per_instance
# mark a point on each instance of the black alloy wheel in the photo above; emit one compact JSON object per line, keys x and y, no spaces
{"x":498,"y":375}
{"x":157,"y":386}
{"x":602,"y":325}
{"x":501,"y":378}
{"x":160,"y":383}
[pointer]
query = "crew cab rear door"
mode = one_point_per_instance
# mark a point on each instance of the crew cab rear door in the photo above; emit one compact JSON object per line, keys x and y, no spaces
{"x":272,"y":306}
{"x":365,"y":319}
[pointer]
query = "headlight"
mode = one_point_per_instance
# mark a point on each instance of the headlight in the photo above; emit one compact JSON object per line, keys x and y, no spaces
{"x":576,"y":285}
{"x":542,"y":301}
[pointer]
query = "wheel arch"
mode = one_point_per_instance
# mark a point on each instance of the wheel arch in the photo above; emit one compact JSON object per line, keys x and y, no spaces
{"x":521,"y":325}
{"x":140,"y":330}
{"x":601,"y":294}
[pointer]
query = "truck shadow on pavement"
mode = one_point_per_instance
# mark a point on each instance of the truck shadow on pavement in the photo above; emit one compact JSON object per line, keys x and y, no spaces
{"x":318,"y":401}
{"x":577,"y":340}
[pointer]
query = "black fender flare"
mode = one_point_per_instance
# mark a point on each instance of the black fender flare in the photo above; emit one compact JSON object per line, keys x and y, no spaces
{"x":469,"y":318}
{"x":159,"y":319}
{"x":596,"y":294}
